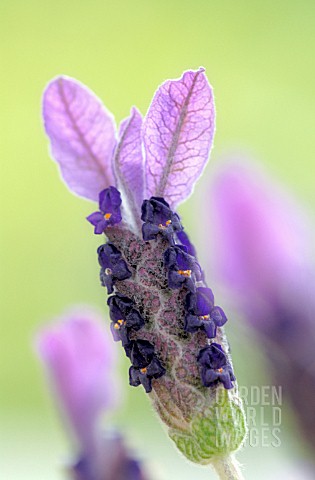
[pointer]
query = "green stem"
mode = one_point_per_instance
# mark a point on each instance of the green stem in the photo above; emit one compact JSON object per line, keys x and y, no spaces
{"x":227,"y":468}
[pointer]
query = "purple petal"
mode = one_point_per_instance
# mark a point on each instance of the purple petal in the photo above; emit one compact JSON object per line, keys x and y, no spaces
{"x":115,"y":333}
{"x":109,"y":200}
{"x":192,"y":323}
{"x":95,"y":218}
{"x":121,"y":271}
{"x":146,"y":383}
{"x":178,"y":132}
{"x":80,"y":359}
{"x":128,"y":161}
{"x":134,"y":377}
{"x":155,"y":369}
{"x":210,"y":328}
{"x":82,"y":135}
{"x":141,"y":353}
{"x":100,"y":227}
{"x":226,"y":380}
{"x":202,"y":302}
{"x":149,"y":231}
{"x":218,"y":316}
{"x":184,"y":240}
{"x":107,"y":281}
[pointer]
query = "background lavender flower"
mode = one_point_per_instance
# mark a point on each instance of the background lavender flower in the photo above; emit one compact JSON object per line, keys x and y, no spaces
{"x":80,"y":361}
{"x":262,"y":252}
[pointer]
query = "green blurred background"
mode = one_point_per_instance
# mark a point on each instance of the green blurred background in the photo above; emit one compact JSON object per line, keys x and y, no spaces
{"x":259,"y":58}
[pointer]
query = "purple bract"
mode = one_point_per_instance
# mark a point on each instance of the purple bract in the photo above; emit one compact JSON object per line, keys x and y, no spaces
{"x":176,"y":137}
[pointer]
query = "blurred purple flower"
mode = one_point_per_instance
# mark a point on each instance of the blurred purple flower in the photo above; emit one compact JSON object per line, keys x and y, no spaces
{"x":80,"y":359}
{"x":257,"y":228}
{"x":261,"y":252}
{"x":114,"y":460}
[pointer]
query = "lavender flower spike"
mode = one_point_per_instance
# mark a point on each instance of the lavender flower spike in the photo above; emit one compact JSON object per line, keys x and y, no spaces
{"x":80,"y":360}
{"x":186,"y":371}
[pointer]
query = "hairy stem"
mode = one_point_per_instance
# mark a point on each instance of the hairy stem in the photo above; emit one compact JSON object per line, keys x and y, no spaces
{"x":227,"y":468}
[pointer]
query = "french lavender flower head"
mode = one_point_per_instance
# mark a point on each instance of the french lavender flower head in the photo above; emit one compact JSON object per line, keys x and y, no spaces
{"x":161,"y":309}
{"x":80,"y":362}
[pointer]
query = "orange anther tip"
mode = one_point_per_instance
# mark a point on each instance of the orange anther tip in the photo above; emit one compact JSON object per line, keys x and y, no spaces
{"x":185,"y":273}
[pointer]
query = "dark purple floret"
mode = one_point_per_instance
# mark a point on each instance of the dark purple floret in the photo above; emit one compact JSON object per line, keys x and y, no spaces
{"x":159,"y":218}
{"x":123,"y":319}
{"x":184,"y":240}
{"x":201,"y":302}
{"x":141,"y":352}
{"x":120,"y":302}
{"x":183,"y":269}
{"x":113,"y":266}
{"x":144,"y":375}
{"x":215,"y":367}
{"x":145,"y":364}
{"x":109,"y":214}
{"x":202,"y":314}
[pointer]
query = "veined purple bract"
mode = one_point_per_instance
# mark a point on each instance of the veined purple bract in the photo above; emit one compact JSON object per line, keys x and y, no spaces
{"x":161,"y":309}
